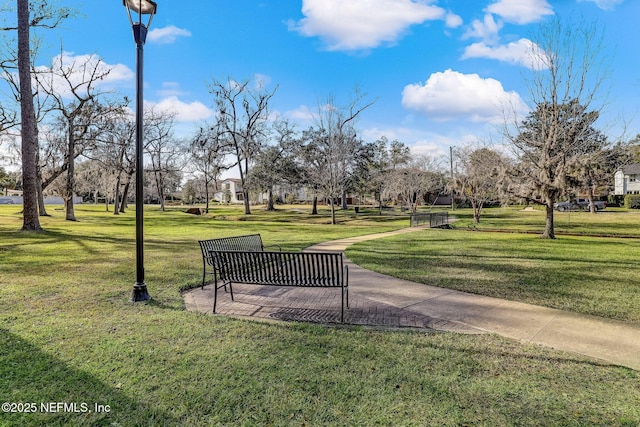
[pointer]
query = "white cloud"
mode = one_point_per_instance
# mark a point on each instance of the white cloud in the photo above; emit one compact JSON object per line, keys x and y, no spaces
{"x":522,"y":52}
{"x":604,"y":4}
{"x":452,"y":20}
{"x":452,"y":95}
{"x":170,"y":89}
{"x":261,"y":81}
{"x":486,"y":30}
{"x":521,"y":11}
{"x":362,"y":24}
{"x":167,"y":34}
{"x":302,"y":114}
{"x":185,"y":112}
{"x":79,"y":70}
{"x":421,"y":141}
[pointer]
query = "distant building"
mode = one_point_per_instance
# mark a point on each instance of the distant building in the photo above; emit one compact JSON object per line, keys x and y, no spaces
{"x":229,"y":191}
{"x":627,"y":180}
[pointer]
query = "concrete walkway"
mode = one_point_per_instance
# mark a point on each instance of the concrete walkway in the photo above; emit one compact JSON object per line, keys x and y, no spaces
{"x":379,"y":300}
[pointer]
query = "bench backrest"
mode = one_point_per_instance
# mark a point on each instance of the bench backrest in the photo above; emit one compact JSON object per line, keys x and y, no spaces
{"x":322,"y":269}
{"x":249,"y":242}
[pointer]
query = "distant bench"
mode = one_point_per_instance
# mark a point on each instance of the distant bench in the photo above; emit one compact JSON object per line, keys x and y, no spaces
{"x":249,"y":242}
{"x":305,"y":269}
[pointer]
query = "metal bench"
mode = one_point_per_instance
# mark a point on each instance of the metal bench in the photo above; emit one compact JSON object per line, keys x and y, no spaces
{"x":249,"y":242}
{"x":305,"y":269}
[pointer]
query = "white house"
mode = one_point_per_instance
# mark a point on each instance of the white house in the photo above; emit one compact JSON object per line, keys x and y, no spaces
{"x":627,"y":180}
{"x":229,"y":191}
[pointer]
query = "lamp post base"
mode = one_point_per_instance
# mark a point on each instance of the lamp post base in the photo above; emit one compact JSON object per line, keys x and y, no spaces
{"x":140,"y":293}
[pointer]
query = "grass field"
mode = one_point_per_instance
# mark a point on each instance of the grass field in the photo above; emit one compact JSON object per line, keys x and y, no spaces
{"x":69,"y":336}
{"x":579,"y":271}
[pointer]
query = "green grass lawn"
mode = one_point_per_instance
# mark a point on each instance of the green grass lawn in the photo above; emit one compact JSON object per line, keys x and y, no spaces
{"x":68,"y":334}
{"x":584,"y":274}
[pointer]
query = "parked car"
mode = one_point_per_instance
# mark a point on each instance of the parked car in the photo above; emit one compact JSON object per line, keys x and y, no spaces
{"x":6,"y":201}
{"x":578,"y":204}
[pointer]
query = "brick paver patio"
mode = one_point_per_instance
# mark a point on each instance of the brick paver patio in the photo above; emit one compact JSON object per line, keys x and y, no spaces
{"x":315,"y":305}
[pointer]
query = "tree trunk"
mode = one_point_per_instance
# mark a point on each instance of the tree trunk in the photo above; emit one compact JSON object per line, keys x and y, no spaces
{"x":160,"y":188}
{"x":592,"y":206}
{"x":245,"y":197}
{"x":344,"y":200}
{"x":206,"y":194}
{"x":125,"y":195}
{"x":314,"y":208}
{"x":70,"y":187}
{"x":41,"y":207}
{"x":476,"y":211}
{"x":245,"y":193}
{"x":116,"y":203}
{"x":549,"y":232}
{"x":270,"y":206}
{"x":333,"y":211}
{"x":28,"y":133}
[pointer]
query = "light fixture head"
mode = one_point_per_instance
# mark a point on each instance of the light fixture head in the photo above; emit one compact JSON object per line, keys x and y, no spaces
{"x":141,"y":7}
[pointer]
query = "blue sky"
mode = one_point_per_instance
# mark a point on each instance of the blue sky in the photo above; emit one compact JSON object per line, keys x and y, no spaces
{"x":438,"y":68}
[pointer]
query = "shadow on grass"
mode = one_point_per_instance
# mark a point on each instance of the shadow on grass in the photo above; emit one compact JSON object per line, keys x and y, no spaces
{"x":43,"y":385}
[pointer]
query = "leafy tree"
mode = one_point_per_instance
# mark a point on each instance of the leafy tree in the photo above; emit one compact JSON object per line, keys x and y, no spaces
{"x":385,"y":158}
{"x":6,"y":181}
{"x":275,"y":165}
{"x":568,"y":71}
{"x":592,"y":171}
{"x":310,"y":163}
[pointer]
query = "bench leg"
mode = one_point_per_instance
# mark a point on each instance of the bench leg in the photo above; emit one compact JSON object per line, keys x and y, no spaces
{"x":215,"y":295}
{"x":215,"y":292}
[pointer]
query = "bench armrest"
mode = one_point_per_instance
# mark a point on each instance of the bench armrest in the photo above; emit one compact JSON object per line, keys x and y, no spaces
{"x":273,"y":246}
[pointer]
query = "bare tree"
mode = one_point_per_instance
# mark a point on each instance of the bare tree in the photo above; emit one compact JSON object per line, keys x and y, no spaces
{"x":28,"y":132}
{"x":481,"y":169}
{"x":412,"y":183}
{"x":113,"y":155}
{"x":72,"y":89}
{"x":208,"y":156}
{"x":338,"y":142}
{"x":29,"y":15}
{"x":568,"y":72}
{"x":243,"y":112}
{"x":165,"y":151}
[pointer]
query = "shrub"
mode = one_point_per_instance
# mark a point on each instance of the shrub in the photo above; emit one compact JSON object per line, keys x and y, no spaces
{"x":615,"y":200}
{"x":632,"y":201}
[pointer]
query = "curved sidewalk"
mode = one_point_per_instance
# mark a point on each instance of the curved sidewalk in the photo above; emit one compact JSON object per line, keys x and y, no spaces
{"x":376,"y":299}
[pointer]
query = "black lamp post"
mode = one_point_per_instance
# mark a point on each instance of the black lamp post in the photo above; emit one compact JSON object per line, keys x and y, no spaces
{"x":136,"y":9}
